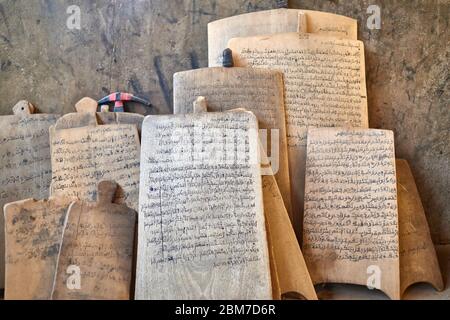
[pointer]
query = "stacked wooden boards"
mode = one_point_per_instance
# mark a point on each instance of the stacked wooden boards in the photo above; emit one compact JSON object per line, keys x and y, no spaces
{"x":323,"y":70}
{"x":81,"y":148}
{"x":25,"y":169}
{"x":219,"y":191}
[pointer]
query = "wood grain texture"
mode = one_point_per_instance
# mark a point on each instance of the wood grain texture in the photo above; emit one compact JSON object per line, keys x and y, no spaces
{"x":201,"y":221}
{"x":99,"y":240}
{"x":418,"y":260}
{"x":25,"y":167}
{"x":34,"y":231}
{"x":86,"y":105}
{"x":274,"y":274}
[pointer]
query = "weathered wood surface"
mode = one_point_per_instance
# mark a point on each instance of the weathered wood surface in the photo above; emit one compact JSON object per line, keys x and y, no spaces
{"x":408,"y":90}
{"x":25,"y":169}
{"x":344,"y":261}
{"x":293,"y":277}
{"x":289,"y":274}
{"x":418,"y":291}
{"x":34,"y":231}
{"x":418,"y":260}
{"x":86,"y":105}
{"x":350,"y":232}
{"x":274,"y":275}
{"x":99,"y":240}
{"x":201,"y":222}
{"x":275,"y":21}
{"x":83,"y":119}
{"x":325,"y":86}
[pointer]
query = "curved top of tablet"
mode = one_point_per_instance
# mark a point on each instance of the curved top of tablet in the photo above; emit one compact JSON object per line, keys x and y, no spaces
{"x":275,"y":21}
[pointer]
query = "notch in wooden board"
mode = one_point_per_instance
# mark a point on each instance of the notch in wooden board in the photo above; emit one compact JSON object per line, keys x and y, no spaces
{"x":324,"y":86}
{"x":24,"y":108}
{"x":302,"y":23}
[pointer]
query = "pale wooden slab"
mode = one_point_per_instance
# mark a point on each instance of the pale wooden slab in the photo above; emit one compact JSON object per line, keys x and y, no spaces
{"x":293,"y":276}
{"x":418,"y":260}
{"x":23,"y":107}
{"x":201,"y":231}
{"x":274,"y":276}
{"x":25,"y":169}
{"x":256,"y":90}
{"x":34,"y":231}
{"x":275,"y":21}
{"x":83,"y":156}
{"x":99,"y":240}
{"x":351,"y":217}
{"x":325,"y":86}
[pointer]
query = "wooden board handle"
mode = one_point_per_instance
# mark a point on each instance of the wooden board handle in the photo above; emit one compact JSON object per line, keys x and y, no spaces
{"x":86,"y":105}
{"x":106,"y":191}
{"x":23,"y":107}
{"x":200,"y":105}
